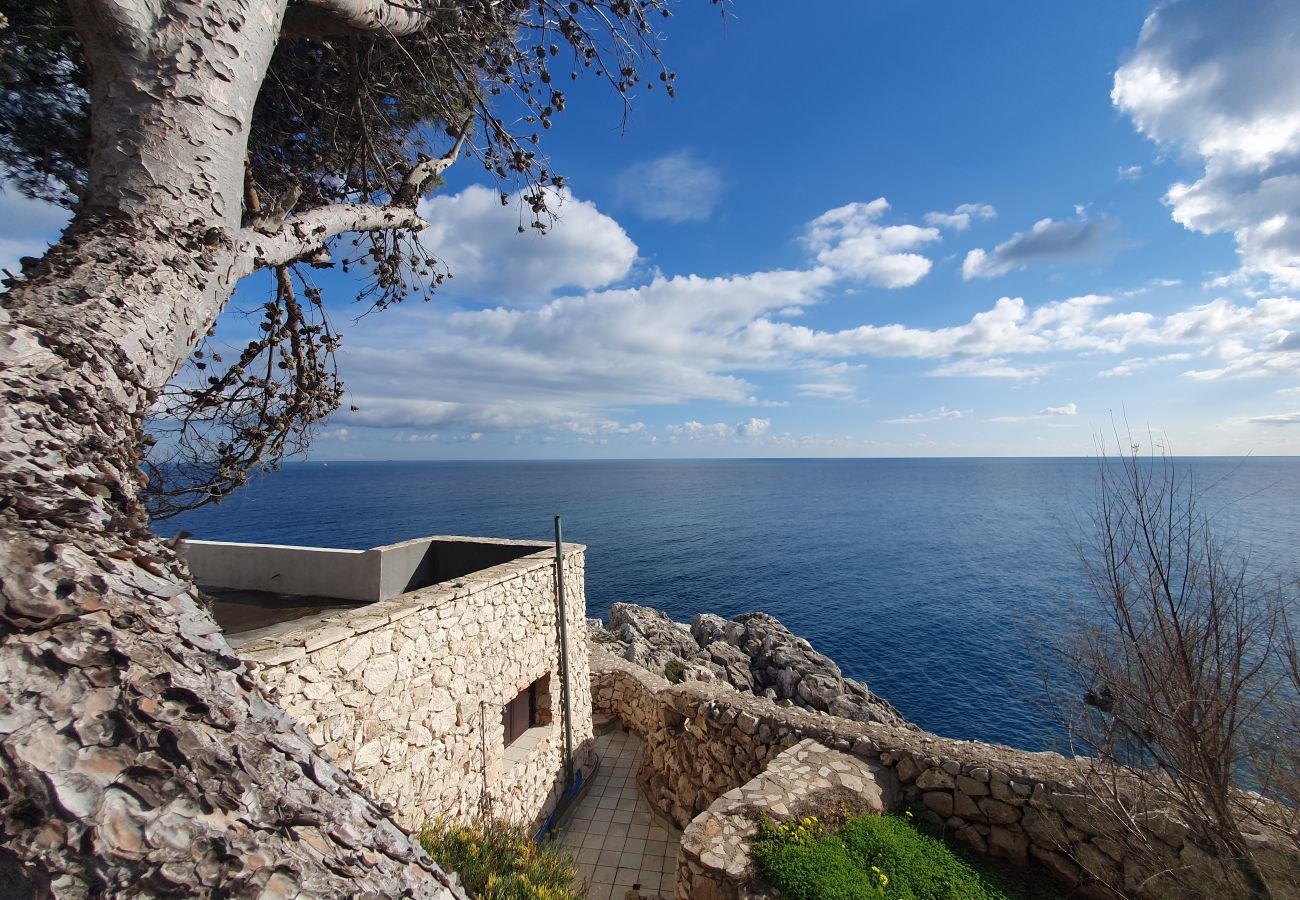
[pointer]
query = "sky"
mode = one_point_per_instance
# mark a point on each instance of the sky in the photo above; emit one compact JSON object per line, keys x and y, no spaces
{"x":888,"y":228}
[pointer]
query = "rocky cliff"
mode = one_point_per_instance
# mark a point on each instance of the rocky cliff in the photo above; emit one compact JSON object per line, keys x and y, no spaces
{"x":753,"y":653}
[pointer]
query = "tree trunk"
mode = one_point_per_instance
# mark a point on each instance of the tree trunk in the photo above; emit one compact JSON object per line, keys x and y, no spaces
{"x":138,"y":755}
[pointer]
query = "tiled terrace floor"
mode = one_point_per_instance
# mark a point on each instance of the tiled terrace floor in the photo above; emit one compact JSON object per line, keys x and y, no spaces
{"x":618,"y":846}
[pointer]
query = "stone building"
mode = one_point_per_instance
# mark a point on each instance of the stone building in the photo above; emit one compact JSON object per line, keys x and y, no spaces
{"x":431,"y":669}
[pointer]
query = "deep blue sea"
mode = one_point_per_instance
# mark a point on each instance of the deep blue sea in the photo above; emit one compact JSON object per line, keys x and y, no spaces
{"x":919,"y":576}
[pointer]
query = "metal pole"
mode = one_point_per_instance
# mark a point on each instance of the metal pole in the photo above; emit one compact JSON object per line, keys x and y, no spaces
{"x":564,"y":658}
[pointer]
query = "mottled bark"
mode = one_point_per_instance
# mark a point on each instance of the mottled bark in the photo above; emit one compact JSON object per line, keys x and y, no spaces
{"x":138,"y":756}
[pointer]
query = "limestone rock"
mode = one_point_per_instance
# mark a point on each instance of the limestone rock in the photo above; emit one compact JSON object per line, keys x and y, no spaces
{"x":753,"y":653}
{"x":652,"y":639}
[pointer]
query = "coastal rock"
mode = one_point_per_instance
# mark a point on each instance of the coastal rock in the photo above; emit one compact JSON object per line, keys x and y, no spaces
{"x":753,"y":653}
{"x":652,"y":639}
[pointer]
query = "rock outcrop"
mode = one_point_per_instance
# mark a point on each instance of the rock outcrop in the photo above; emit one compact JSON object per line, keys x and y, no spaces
{"x":753,"y":653}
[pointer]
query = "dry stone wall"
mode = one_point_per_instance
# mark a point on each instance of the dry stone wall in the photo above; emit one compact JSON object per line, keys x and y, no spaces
{"x":408,"y":693}
{"x":703,"y":740}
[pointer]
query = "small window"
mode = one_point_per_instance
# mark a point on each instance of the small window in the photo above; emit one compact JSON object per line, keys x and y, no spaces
{"x":520,"y":714}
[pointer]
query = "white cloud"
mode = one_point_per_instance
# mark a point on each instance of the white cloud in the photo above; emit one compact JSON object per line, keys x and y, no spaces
{"x":674,"y":188}
{"x":837,"y":381}
{"x":1255,"y":364}
{"x":1135,"y":364}
{"x":936,"y":415}
{"x":479,"y":240}
{"x":1291,"y":418}
{"x":719,"y":431}
{"x":831,"y":390}
{"x":986,"y":368}
{"x":851,"y":241}
{"x":1048,"y":241}
{"x":576,"y":365}
{"x":1220,"y":83}
{"x":1047,"y":414}
{"x":1129,"y":173}
{"x":960,"y":218}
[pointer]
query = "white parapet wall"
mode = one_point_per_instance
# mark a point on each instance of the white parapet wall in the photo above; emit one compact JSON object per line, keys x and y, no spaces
{"x":309,"y":571}
{"x":367,"y":576}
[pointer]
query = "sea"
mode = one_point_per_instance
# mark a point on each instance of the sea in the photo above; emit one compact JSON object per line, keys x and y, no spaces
{"x":932,"y":580}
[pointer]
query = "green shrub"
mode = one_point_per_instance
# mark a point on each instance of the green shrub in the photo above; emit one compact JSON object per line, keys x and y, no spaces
{"x":872,"y":857}
{"x":675,"y":671}
{"x":497,"y":861}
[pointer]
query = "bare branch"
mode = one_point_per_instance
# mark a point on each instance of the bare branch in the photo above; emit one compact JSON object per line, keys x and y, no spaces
{"x":305,"y":235}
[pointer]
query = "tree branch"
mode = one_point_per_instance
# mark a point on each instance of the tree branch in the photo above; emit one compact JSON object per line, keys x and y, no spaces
{"x":305,"y":235}
{"x":417,"y":180}
{"x":125,"y":21}
{"x":391,"y":17}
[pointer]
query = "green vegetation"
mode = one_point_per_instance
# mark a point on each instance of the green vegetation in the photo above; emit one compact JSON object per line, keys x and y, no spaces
{"x":872,"y":857}
{"x":675,"y":671}
{"x":497,"y":861}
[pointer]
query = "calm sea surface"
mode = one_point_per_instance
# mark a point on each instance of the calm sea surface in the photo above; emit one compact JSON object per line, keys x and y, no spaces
{"x":917,"y":576}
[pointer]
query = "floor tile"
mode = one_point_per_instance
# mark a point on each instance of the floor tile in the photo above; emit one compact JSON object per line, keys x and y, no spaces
{"x":613,"y":836}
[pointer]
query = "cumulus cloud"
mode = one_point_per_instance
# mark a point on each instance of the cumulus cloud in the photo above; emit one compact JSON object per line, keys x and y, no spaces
{"x":935,"y":415}
{"x":1220,"y":84}
{"x":1048,"y":241}
{"x":960,"y":218}
{"x":1129,"y":173}
{"x":674,"y":188}
{"x":576,"y":365}
{"x":851,"y":240}
{"x":478,"y":238}
{"x":719,"y":431}
{"x":1276,"y":354}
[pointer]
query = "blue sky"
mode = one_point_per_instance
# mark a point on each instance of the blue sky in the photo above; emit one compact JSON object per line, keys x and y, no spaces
{"x":869,"y":229}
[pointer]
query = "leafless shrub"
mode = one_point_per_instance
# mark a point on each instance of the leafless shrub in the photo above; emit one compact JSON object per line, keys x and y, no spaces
{"x":1182,"y":680}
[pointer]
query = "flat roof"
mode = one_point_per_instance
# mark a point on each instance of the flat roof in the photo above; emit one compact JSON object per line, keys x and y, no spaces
{"x":257,"y":614}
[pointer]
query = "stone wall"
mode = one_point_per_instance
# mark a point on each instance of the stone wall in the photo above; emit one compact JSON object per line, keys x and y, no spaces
{"x":703,"y":740}
{"x":408,"y":693}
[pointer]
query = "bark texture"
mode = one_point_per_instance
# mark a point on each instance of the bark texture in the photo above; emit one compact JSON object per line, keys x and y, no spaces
{"x":138,"y":756}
